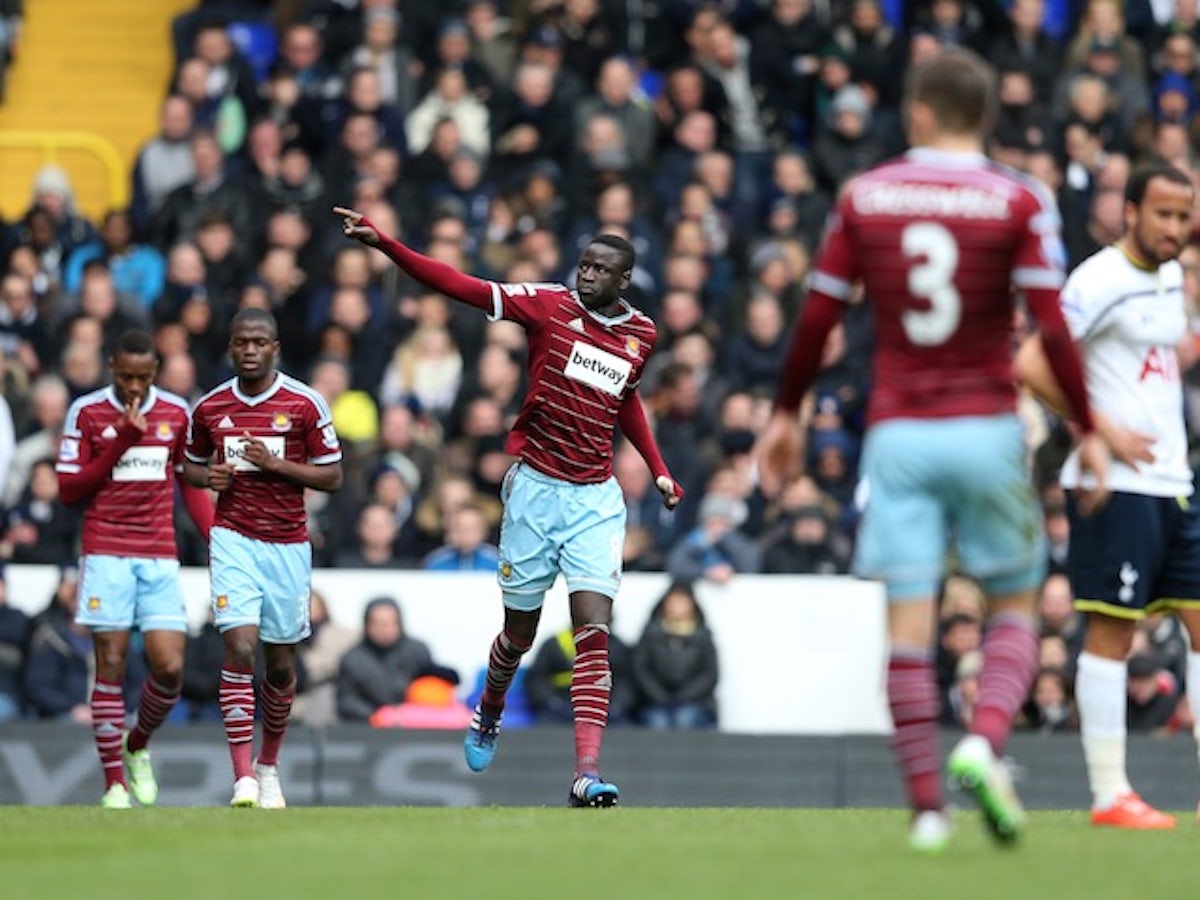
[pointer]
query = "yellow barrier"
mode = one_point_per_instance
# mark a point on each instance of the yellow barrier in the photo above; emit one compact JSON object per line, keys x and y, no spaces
{"x":97,"y":173}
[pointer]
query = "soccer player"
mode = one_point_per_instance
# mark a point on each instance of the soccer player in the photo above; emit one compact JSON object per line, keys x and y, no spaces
{"x":939,"y":237}
{"x":1141,"y":553}
{"x":563,"y":510}
{"x":121,"y":449}
{"x":259,"y":440}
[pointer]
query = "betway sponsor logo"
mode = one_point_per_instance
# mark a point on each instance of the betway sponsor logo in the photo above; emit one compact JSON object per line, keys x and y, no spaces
{"x":142,"y":464}
{"x":596,"y":368}
{"x":930,"y":200}
{"x":235,"y":450}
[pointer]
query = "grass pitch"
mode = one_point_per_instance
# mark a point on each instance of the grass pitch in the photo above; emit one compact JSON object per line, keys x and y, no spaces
{"x":527,"y":853}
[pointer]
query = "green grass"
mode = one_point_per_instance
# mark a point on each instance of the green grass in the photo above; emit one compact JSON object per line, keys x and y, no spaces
{"x":498,"y":853}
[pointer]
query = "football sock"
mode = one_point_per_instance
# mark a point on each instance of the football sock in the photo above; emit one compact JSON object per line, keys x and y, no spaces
{"x":277,"y":709}
{"x":913,"y":698}
{"x":503,"y":662}
{"x":591,"y":684}
{"x":108,"y":729}
{"x":154,"y":706}
{"x":1193,"y":694}
{"x":1100,"y":688}
{"x":1010,"y":655}
{"x":237,"y":712}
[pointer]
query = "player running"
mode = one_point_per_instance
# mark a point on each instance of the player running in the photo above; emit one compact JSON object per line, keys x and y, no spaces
{"x":563,"y":510}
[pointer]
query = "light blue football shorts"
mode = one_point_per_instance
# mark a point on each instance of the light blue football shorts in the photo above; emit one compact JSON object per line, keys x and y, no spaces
{"x":260,"y":583}
{"x":116,"y":593}
{"x":936,"y":483}
{"x":553,"y":526}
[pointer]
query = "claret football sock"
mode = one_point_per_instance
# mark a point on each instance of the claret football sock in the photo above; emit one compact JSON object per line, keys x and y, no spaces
{"x":591,"y":684}
{"x":913,"y":698}
{"x":1010,"y":650}
{"x":237,"y":712}
{"x":277,"y":709}
{"x":108,"y":729}
{"x":503,"y":661}
{"x":154,"y":706}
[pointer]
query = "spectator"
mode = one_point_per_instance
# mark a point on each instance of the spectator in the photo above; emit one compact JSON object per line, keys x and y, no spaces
{"x":41,"y":528}
{"x":1153,"y":696}
{"x":14,"y":646}
{"x":1050,"y":706}
{"x":804,"y":546}
{"x":382,"y":51}
{"x":716,"y":549}
{"x":959,"y":635}
{"x":39,"y":440}
{"x":322,"y":653}
{"x":467,"y":548}
{"x":675,"y":663}
{"x":378,"y":671}
{"x":211,"y":189}
{"x":163,"y":163}
{"x":24,"y":337}
{"x":137,"y":269}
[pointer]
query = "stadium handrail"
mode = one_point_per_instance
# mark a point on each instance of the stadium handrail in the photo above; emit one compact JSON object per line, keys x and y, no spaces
{"x":51,"y":143}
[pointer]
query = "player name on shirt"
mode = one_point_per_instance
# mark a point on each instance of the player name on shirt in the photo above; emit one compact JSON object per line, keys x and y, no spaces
{"x":938,"y":241}
{"x":964,"y":202}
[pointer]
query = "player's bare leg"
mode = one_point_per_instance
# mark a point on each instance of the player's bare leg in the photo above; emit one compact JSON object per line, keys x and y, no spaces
{"x":108,"y":714}
{"x":1100,"y":691}
{"x":591,"y":686}
{"x":237,"y":710}
{"x":278,"y":692}
{"x":913,"y":698}
{"x":160,"y":693}
{"x":504,"y":658}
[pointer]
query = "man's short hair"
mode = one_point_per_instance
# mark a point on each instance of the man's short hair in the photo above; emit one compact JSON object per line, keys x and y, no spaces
{"x":628,"y":254}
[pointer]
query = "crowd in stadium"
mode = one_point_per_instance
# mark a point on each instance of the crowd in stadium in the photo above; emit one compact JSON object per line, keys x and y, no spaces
{"x":499,"y":136}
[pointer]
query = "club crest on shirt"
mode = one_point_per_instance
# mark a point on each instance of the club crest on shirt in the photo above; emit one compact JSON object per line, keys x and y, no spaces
{"x":632,"y":346}
{"x":505,"y":569}
{"x":93,"y":603}
{"x":108,"y":433}
{"x":68,"y":450}
{"x":164,"y":431}
{"x":281,"y":422}
{"x":222,"y":601}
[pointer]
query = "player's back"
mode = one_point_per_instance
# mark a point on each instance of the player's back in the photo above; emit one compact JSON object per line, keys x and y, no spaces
{"x":939,"y":240}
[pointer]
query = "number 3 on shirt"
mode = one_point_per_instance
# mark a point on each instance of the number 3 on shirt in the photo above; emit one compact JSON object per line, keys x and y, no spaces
{"x":932,"y":279}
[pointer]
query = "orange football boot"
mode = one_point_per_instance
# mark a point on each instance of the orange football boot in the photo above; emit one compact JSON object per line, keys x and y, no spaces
{"x":1131,"y":811}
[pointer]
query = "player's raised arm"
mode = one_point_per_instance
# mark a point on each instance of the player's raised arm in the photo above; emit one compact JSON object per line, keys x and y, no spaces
{"x":430,"y":272}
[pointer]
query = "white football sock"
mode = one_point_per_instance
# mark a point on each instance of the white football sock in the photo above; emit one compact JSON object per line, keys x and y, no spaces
{"x":1193,"y":693}
{"x":1100,"y":693}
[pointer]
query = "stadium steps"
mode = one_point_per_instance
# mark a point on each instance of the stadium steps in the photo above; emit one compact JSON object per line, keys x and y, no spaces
{"x":94,"y":66}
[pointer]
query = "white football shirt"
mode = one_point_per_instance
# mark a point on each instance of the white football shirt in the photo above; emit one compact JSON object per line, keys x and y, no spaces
{"x":1129,"y":321}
